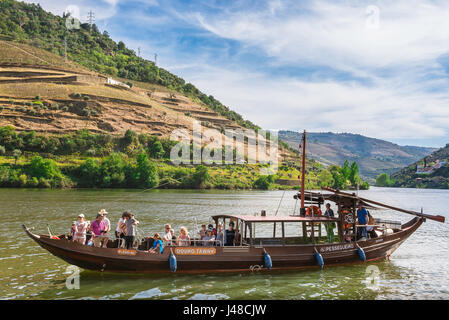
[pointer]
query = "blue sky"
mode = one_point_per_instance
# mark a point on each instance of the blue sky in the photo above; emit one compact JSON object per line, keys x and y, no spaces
{"x":377,"y":68}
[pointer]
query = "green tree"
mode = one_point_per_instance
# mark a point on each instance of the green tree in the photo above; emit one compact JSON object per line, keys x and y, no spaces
{"x":16,"y":154}
{"x":44,"y":168}
{"x":354,"y":174}
{"x":326,"y":179}
{"x":88,"y":173}
{"x":200,"y":177}
{"x":264,"y":182}
{"x":146,"y":172}
{"x":112,"y":171}
{"x":156,"y":150}
{"x":383,"y":180}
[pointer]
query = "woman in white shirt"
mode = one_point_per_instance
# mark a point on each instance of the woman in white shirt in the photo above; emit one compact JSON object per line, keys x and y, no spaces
{"x":80,"y":230}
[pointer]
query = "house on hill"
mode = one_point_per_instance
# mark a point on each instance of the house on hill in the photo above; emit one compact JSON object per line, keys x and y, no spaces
{"x":420,"y":169}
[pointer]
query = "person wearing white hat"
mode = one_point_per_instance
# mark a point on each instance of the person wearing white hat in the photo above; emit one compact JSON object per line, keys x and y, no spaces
{"x":80,"y":229}
{"x":107,"y":227}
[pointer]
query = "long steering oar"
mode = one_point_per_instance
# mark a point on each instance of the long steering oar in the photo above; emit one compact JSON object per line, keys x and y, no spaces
{"x":415,"y":213}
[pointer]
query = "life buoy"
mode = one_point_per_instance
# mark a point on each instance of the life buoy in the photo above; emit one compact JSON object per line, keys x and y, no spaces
{"x":316,"y":211}
{"x":347,"y":217}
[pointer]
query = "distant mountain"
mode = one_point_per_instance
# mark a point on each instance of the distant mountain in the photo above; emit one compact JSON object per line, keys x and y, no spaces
{"x":374,"y":156}
{"x":431,"y":171}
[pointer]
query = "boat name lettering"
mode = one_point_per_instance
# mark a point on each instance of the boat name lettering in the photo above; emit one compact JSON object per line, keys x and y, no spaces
{"x":195,"y":251}
{"x":337,"y":247}
{"x":126,"y":252}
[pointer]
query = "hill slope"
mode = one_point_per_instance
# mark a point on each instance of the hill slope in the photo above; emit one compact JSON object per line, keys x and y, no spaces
{"x":429,"y":172}
{"x":30,"y":24}
{"x":374,"y":156}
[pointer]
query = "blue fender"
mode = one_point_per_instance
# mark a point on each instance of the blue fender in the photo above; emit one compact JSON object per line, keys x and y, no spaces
{"x":361,"y":253}
{"x":267,"y":260}
{"x":173,"y":262}
{"x":319,"y":259}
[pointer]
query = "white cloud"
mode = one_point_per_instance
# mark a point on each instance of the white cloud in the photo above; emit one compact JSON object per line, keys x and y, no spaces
{"x":381,"y":111}
{"x":333,"y":34}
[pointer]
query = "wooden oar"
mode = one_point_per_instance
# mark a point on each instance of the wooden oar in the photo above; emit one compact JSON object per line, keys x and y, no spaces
{"x":415,"y":213}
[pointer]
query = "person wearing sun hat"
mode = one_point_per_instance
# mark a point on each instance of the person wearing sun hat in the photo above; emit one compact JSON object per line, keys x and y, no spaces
{"x":107,"y":227}
{"x":81,"y":227}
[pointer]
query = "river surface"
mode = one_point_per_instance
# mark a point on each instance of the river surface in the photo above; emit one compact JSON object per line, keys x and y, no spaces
{"x":419,"y":269}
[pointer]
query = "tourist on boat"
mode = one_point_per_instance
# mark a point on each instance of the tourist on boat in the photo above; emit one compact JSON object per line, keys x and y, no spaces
{"x":362,"y":219}
{"x":131,"y":225}
{"x":88,"y":233}
{"x":107,"y":226}
{"x":97,"y":227}
{"x":167,"y":237}
{"x":81,"y":227}
{"x":202,"y":232}
{"x":158,"y":246}
{"x":211,"y":226}
{"x":120,"y":230}
{"x":229,"y":234}
{"x":329,"y":225}
{"x":370,"y":229}
{"x":173,"y":237}
{"x":209,"y":238}
{"x":72,"y":230}
{"x":220,"y":235}
{"x":184,"y":238}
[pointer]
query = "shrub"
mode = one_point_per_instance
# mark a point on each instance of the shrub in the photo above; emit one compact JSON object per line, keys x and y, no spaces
{"x":86,"y":98}
{"x":77,"y":95}
{"x":2,"y":150}
{"x":44,"y":168}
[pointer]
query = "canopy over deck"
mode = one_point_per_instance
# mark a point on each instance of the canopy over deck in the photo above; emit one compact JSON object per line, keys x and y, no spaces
{"x":252,"y":218}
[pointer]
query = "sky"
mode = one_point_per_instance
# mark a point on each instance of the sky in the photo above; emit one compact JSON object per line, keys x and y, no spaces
{"x":376,"y":68}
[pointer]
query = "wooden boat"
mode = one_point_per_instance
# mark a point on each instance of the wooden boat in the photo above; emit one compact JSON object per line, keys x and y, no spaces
{"x":305,"y":248}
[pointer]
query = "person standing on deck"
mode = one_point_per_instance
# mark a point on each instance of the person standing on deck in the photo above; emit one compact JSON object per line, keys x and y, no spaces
{"x":329,"y":225}
{"x":229,"y":234}
{"x":362,"y":218}
{"x":131,"y":225}
{"x":107,"y":227}
{"x":220,"y":235}
{"x":81,"y":227}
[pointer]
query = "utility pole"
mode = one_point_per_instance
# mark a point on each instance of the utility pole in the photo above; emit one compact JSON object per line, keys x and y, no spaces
{"x":91,"y":18}
{"x":155,"y":59}
{"x":65,"y":46}
{"x":138,"y":52}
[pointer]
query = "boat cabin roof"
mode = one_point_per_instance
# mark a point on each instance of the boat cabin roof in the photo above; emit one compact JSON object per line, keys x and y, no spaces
{"x":252,"y":218}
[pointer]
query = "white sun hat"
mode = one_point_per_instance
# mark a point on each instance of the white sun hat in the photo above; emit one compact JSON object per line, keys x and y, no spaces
{"x":103,"y":211}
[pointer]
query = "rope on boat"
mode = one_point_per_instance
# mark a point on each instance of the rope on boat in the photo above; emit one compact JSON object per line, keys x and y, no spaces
{"x":279,"y":203}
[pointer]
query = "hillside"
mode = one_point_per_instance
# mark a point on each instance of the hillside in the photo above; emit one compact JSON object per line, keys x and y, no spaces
{"x":374,"y":156}
{"x":88,"y":47}
{"x":431,"y":171}
{"x":102,"y":117}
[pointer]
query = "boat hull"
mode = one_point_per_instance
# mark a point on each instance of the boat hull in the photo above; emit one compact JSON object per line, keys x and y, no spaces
{"x":224,"y":259}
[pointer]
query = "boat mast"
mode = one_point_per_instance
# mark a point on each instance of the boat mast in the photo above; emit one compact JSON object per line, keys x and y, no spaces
{"x":302,"y":211}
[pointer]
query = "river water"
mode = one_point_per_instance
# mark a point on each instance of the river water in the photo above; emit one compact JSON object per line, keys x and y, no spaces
{"x":417,"y":270}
